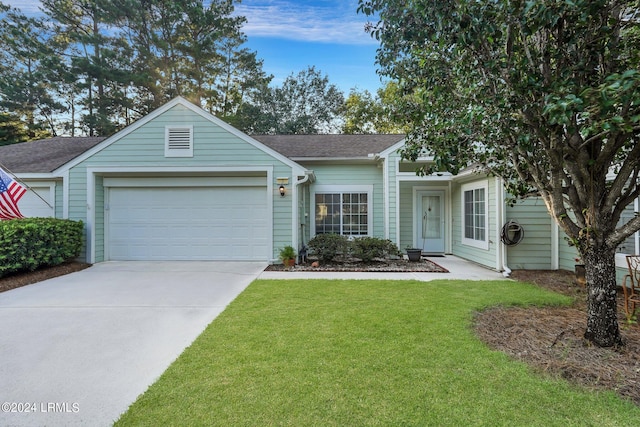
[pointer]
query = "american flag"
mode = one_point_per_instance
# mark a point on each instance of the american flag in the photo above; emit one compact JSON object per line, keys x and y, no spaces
{"x":10,"y":194}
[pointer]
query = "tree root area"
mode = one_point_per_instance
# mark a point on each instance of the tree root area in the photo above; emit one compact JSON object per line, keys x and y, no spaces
{"x":551,"y":338}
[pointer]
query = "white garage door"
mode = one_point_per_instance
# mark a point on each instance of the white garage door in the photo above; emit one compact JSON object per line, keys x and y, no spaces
{"x":196,"y":223}
{"x":37,"y":202}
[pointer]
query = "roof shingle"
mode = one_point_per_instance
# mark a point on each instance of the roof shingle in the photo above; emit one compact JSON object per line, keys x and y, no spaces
{"x":328,"y":146}
{"x":45,"y":155}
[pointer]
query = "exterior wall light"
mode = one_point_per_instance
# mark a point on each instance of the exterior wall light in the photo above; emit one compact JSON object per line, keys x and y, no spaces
{"x":283,"y":190}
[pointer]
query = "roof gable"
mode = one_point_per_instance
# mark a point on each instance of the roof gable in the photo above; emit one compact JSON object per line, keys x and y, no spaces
{"x":194,"y":109}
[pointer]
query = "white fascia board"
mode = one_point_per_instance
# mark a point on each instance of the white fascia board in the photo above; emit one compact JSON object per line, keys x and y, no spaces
{"x":42,"y":176}
{"x":335,"y":159}
{"x":470,"y":174}
{"x":413,"y":177}
{"x":395,"y":147}
{"x":190,"y":169}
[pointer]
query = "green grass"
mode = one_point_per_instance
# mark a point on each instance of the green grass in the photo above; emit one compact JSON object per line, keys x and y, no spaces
{"x":365,"y":353}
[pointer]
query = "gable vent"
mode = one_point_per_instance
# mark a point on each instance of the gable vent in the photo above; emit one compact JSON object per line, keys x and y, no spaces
{"x":179,"y":141}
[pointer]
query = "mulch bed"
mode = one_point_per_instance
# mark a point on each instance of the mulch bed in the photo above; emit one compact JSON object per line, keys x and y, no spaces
{"x":392,"y":266}
{"x":551,"y":338}
{"x":17,"y":280}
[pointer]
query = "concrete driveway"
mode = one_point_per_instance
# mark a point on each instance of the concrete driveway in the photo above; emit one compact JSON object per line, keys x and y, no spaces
{"x":79,"y":349}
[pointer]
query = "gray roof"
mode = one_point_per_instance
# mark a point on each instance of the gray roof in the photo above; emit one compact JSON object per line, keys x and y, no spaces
{"x":328,"y":146}
{"x":45,"y":155}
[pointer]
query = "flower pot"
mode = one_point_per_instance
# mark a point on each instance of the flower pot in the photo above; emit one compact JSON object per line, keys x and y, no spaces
{"x":581,"y":274}
{"x":288,"y":263}
{"x":414,"y":255}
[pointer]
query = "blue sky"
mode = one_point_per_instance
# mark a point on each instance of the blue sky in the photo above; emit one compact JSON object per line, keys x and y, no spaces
{"x":290,"y":35}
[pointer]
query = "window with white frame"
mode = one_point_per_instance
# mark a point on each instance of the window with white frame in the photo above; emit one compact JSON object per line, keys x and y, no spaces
{"x":178,"y":141}
{"x":630,"y":246}
{"x":475,"y":219}
{"x":345,"y":211}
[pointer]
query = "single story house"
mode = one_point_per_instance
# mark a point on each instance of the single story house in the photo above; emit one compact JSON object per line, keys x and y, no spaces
{"x":181,"y":184}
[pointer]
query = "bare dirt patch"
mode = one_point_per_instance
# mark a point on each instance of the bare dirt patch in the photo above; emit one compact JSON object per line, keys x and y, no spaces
{"x":551,"y":338}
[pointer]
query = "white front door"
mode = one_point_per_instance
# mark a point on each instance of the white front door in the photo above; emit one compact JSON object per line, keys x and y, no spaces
{"x":430,"y":217}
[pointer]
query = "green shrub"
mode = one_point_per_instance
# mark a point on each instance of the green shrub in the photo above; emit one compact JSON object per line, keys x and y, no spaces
{"x":370,"y":248}
{"x":29,"y":243}
{"x":288,"y":252}
{"x":327,"y":246}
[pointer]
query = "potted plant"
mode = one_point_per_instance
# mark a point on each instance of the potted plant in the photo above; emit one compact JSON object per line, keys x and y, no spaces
{"x":288,"y":256}
{"x":414,"y":254}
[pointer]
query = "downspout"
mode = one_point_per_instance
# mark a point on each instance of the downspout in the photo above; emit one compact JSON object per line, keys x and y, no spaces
{"x":308,"y":177}
{"x":385,"y":192}
{"x":506,"y":271}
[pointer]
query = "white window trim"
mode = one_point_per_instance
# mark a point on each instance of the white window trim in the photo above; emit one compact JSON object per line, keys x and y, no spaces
{"x":181,"y":152}
{"x":480,"y":244}
{"x":333,"y":189}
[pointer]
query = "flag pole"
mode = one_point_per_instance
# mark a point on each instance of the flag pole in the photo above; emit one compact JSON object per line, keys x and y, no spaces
{"x":25,"y":185}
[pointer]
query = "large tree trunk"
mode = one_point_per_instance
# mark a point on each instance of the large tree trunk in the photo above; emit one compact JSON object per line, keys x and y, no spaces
{"x":602,"y":320}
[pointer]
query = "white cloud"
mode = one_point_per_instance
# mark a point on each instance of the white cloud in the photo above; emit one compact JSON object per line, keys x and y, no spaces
{"x":328,"y":21}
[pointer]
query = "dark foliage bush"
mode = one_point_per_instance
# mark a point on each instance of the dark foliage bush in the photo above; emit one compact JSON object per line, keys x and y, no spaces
{"x":370,"y":248}
{"x":29,"y":243}
{"x":327,"y":246}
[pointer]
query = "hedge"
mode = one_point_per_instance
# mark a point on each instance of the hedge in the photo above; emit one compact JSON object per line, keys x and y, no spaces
{"x":29,"y":243}
{"x":328,"y":247}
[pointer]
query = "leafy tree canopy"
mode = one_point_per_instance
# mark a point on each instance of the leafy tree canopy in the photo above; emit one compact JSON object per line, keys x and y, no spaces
{"x":545,"y":94}
{"x":305,"y":103}
{"x":363,"y":113}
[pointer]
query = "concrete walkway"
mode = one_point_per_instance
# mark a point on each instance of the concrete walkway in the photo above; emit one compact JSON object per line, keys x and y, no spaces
{"x":458,"y":269}
{"x":79,"y":349}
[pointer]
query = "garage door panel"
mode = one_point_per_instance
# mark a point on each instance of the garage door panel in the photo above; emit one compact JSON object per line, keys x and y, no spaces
{"x":37,"y":202}
{"x":188,"y":223}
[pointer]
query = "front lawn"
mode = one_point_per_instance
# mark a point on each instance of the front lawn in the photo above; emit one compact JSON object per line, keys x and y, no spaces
{"x":365,"y":352}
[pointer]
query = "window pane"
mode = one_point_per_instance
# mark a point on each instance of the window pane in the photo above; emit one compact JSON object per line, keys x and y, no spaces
{"x":327,"y":213}
{"x":342,"y":213}
{"x":468,"y":214}
{"x":475,"y":214}
{"x":354,"y":214}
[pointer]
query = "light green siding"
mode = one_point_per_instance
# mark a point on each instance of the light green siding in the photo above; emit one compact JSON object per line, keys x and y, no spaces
{"x":99,"y":219}
{"x":566,"y":254}
{"x":304,"y":213}
{"x":59,"y":200}
{"x":405,"y":214}
{"x":392,"y":168}
{"x":486,"y":257}
{"x":534,"y":251}
{"x":369,"y":174}
{"x":144,"y":147}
